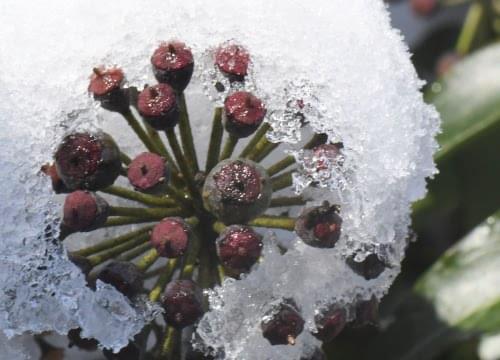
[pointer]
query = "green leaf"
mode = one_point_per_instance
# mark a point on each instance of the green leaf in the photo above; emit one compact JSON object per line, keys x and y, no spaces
{"x":457,"y":298}
{"x":468,"y":99}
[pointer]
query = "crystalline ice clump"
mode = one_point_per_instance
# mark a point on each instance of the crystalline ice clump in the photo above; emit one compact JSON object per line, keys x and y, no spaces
{"x":338,"y":62}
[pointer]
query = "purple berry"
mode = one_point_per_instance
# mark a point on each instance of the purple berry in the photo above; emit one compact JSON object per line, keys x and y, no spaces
{"x":124,"y":276}
{"x":183,"y":303}
{"x":423,"y":7}
{"x":173,"y":64}
{"x":170,"y":237}
{"x":233,"y":61}
{"x":370,"y":267}
{"x":148,"y":172}
{"x":237,"y":191}
{"x":84,"y":211}
{"x":330,"y":323}
{"x":239,"y":247}
{"x":158,"y":105}
{"x":243,"y":113}
{"x":88,"y":161}
{"x":282,"y":324}
{"x":106,"y":87}
{"x":319,"y":226}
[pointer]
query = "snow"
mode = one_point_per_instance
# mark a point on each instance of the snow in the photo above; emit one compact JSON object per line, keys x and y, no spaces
{"x":342,"y":59}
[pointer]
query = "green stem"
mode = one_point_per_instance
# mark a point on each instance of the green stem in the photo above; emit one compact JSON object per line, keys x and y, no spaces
{"x":187,"y":135}
{"x":146,"y":213}
{"x":282,"y":181}
{"x":215,"y":140}
{"x":256,"y":138}
{"x":218,"y":227}
{"x":134,"y":124}
{"x":180,"y":196}
{"x":146,"y":199}
{"x":107,"y":244}
{"x":117,"y":250}
{"x":277,"y":222}
{"x":221,"y":273}
{"x":125,"y":158}
{"x":163,"y":279}
{"x":123,"y":171}
{"x":125,"y":220}
{"x":190,"y":258}
{"x":287,"y":201}
{"x":132,"y":254}
{"x":469,"y":35}
{"x":228,"y":147}
{"x":148,"y":260}
{"x":168,"y":344}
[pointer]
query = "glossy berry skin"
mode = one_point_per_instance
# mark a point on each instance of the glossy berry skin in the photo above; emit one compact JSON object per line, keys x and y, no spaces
{"x":370,"y":268}
{"x":57,"y":183}
{"x":330,"y":323}
{"x":319,"y":226}
{"x":170,"y":237}
{"x":148,"y":172}
{"x":87,"y":161}
{"x":239,"y":247}
{"x":233,"y":61}
{"x":124,"y":276}
{"x":106,"y":87}
{"x":183,"y":303}
{"x":84,"y":211}
{"x":158,"y":106}
{"x":237,"y":191}
{"x":366,"y":312}
{"x":173,"y":64}
{"x":243,"y":113}
{"x":282,"y":324}
{"x":423,"y":7}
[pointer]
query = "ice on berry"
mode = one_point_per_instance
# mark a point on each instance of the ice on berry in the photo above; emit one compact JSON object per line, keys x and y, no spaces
{"x":331,"y":67}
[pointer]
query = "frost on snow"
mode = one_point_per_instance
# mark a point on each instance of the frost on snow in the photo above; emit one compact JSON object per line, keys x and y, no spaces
{"x":337,"y":61}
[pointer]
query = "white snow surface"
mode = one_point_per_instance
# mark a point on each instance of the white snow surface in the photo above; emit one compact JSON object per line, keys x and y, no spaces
{"x":342,"y":58}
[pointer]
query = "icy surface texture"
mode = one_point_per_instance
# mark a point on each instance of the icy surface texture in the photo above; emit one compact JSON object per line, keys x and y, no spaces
{"x":339,"y":62}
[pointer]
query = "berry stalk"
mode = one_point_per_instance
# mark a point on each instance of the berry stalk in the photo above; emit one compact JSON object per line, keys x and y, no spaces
{"x":134,"y":124}
{"x":151,"y":200}
{"x":255,"y":139}
{"x":147,"y":213}
{"x":187,"y":135}
{"x":215,"y":140}
{"x":282,"y":181}
{"x":287,"y":201}
{"x":132,"y":254}
{"x":163,"y":279}
{"x":148,"y":260}
{"x":117,"y":250}
{"x":228,"y":147}
{"x":277,"y":222}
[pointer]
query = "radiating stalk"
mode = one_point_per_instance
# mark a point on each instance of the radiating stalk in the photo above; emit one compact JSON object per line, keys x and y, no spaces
{"x":261,"y":132}
{"x":147,"y":213}
{"x":168,"y":344}
{"x":132,"y":254}
{"x":215,"y":140}
{"x":117,"y":250}
{"x":287,"y":201}
{"x":218,"y":227}
{"x":148,"y":260}
{"x":190,"y":258}
{"x":282,"y":181}
{"x":229,"y":146}
{"x":125,"y":158}
{"x":134,"y":124}
{"x":124,"y":220}
{"x":187,"y":135}
{"x":277,"y":222}
{"x":109,"y":243}
{"x":163,"y":279}
{"x":146,"y":199}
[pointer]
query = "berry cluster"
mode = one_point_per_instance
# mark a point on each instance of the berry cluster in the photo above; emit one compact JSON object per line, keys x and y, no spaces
{"x":201,"y":221}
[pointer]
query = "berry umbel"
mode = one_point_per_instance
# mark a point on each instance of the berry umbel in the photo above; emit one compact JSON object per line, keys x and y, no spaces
{"x":158,"y":106}
{"x":243,"y":113}
{"x":283,"y":324}
{"x":148,"y":173}
{"x":173,"y":64}
{"x":170,"y":237}
{"x":237,"y":191}
{"x":183,"y":303}
{"x":88,"y":161}
{"x":124,"y":276}
{"x":233,"y":61}
{"x":239,"y":247}
{"x":106,"y":86}
{"x":319,"y":226}
{"x":84,"y":211}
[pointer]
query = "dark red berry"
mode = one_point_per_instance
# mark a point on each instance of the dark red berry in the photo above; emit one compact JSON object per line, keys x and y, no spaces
{"x":84,"y":211}
{"x":243,"y":113}
{"x":330,"y":323}
{"x":446,"y":62}
{"x":326,"y":153}
{"x":319,"y":226}
{"x":423,"y":7}
{"x":75,"y":339}
{"x":158,"y":105}
{"x":369,"y":268}
{"x":239,"y":247}
{"x":237,"y":191}
{"x":170,"y":237}
{"x":366,"y":312}
{"x":148,"y":172}
{"x":124,"y":276}
{"x":130,"y":352}
{"x":232,"y":60}
{"x":282,"y":324}
{"x":183,"y":303}
{"x":88,"y":161}
{"x":106,"y":87}
{"x":57,"y":183}
{"x":173,"y":64}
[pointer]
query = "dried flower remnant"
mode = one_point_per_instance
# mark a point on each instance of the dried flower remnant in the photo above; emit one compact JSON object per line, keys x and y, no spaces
{"x":233,"y":61}
{"x":173,"y":64}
